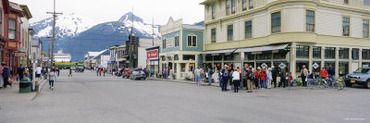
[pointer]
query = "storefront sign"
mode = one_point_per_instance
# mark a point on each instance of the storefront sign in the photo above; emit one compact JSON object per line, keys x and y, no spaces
{"x":282,"y":65}
{"x":153,"y":54}
{"x":315,"y":65}
{"x":264,"y":65}
{"x":19,"y":54}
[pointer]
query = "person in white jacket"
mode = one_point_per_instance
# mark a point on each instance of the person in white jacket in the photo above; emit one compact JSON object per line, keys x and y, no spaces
{"x":269,"y":77}
{"x":236,"y":80}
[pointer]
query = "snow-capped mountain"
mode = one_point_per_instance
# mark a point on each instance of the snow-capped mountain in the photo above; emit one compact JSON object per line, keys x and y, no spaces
{"x":77,"y":36}
{"x":66,"y":26}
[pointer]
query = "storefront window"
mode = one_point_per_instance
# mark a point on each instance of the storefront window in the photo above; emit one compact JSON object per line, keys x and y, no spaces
{"x":299,"y":65}
{"x":176,"y":57}
{"x":330,"y":52}
{"x":343,"y":53}
{"x":277,"y":63}
{"x":188,"y":57}
{"x":343,"y":68}
{"x":217,"y":58}
{"x":263,"y":56}
{"x":329,"y":64}
{"x":209,"y":58}
{"x":250,"y":57}
{"x":317,"y":52}
{"x":365,"y":64}
{"x":183,"y":68}
{"x":228,"y":57}
{"x":366,"y":54}
{"x":355,"y":54}
{"x":279,"y":55}
{"x":302,"y":51}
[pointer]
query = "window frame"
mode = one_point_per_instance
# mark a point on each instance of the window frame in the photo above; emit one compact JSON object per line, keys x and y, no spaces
{"x":233,"y":6}
{"x":244,"y":5}
{"x":213,"y":35}
{"x":308,"y":16}
{"x":272,"y":21}
{"x":191,"y":42}
{"x":248,"y":33}
{"x":365,"y":26}
{"x":164,"y":44}
{"x":177,"y":42}
{"x":302,"y":51}
{"x":228,"y":7}
{"x":12,"y":30}
{"x":230,"y":38}
{"x":213,"y":7}
{"x":330,"y":52}
{"x":250,"y":4}
{"x":347,"y":25}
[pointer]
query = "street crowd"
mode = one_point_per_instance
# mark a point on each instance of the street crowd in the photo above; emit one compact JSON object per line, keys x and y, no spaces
{"x":257,"y":78}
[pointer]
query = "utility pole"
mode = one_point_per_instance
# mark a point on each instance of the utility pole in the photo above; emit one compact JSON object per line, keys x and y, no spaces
{"x":153,"y":32}
{"x":52,"y":47}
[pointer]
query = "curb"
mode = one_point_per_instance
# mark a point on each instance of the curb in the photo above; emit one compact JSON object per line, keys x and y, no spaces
{"x":182,"y":81}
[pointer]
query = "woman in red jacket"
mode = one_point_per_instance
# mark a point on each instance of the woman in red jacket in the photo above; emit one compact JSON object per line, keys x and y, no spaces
{"x":257,"y":78}
{"x":262,"y":75}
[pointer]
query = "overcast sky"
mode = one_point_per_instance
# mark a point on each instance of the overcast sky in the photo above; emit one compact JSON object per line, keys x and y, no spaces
{"x":110,"y":10}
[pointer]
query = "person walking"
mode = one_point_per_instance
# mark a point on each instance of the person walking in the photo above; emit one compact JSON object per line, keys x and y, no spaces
{"x":38,"y":72}
{"x":100,"y":71}
{"x":268,"y":78}
{"x":249,"y":78}
{"x":274,"y":75}
{"x":20,"y":72}
{"x":6,"y":74}
{"x":58,"y":71}
{"x":225,"y":78}
{"x":52,"y":79}
{"x":236,"y":80}
{"x":304,"y":74}
{"x":70,"y":72}
{"x":1,"y":76}
{"x":104,"y":70}
{"x":97,"y":71}
{"x":210,"y":72}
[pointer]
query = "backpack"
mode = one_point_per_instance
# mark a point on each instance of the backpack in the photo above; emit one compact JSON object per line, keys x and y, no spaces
{"x":211,"y":72}
{"x":225,"y":73}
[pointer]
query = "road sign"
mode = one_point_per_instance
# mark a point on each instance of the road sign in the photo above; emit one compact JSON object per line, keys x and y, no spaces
{"x":315,"y":65}
{"x":282,"y":65}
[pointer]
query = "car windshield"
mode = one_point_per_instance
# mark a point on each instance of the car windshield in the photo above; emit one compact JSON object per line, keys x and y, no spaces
{"x":362,"y":70}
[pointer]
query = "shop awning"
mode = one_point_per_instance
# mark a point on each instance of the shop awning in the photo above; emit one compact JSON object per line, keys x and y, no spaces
{"x":219,"y":51}
{"x":263,"y":48}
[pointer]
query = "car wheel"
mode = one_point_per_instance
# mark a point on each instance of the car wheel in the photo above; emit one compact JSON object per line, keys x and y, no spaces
{"x":368,"y":83}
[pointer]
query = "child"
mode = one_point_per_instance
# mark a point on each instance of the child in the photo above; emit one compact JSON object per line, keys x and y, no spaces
{"x":289,"y":78}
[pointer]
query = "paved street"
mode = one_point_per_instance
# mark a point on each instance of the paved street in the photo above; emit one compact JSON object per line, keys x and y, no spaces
{"x":88,"y":98}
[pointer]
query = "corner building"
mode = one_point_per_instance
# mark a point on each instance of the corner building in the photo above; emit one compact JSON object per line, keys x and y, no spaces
{"x":330,"y":33}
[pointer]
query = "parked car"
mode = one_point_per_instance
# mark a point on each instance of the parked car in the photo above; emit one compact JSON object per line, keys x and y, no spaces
{"x":127,"y":72}
{"x":361,"y":76}
{"x":138,"y":74}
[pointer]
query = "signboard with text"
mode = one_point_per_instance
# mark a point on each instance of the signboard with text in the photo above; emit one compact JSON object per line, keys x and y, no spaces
{"x":152,"y":54}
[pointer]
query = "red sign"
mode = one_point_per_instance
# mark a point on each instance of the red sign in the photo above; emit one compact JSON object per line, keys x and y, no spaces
{"x":153,"y":54}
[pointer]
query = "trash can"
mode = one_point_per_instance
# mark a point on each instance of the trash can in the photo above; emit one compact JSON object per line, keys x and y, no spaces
{"x":25,"y":86}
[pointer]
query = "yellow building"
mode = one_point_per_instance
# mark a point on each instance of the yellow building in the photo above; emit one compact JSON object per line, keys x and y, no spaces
{"x":330,"y":33}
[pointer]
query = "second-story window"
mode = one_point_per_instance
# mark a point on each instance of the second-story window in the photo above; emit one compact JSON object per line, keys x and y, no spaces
{"x":275,"y":22}
{"x":346,"y":1}
{"x":230,"y":32}
{"x":213,"y":35}
{"x":164,"y":43}
{"x":248,"y":29}
{"x":250,"y":4}
{"x":227,"y":7}
{"x":232,"y":6}
{"x":192,"y":41}
{"x":310,"y":21}
{"x":365,"y":29}
{"x":346,"y":26}
{"x":1,"y":22}
{"x":12,"y":28}
{"x":177,"y":41}
{"x":213,"y":11}
{"x":244,"y":4}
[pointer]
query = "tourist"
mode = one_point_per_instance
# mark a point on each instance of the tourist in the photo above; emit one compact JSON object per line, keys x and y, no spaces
{"x":268,"y":77}
{"x":20,"y":72}
{"x":225,"y":78}
{"x":197,"y":73}
{"x":52,"y":78}
{"x":304,"y":73}
{"x":6,"y":74}
{"x":236,"y":80}
{"x":1,"y":76}
{"x":274,"y":75}
{"x":210,"y":72}
{"x":262,"y":76}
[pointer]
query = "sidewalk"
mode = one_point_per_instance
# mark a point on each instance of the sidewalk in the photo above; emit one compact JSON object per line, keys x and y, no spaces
{"x":11,"y":94}
{"x":182,"y":81}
